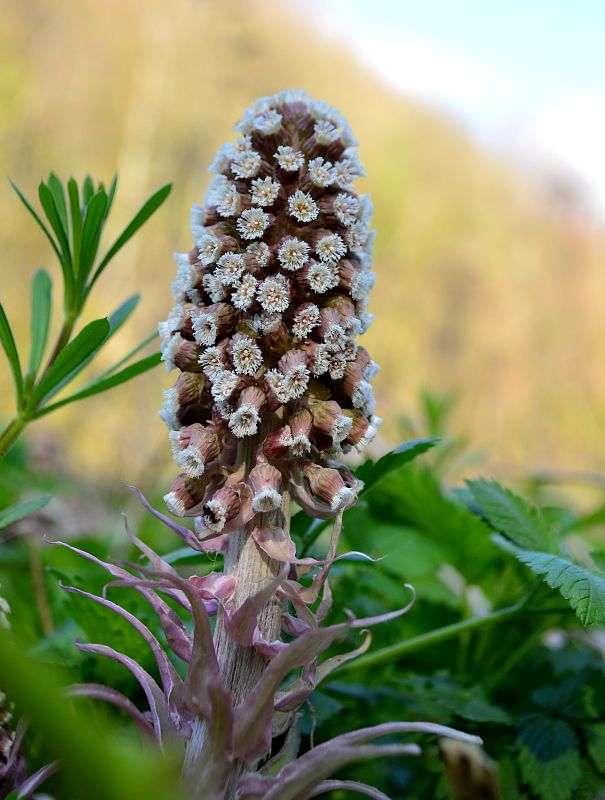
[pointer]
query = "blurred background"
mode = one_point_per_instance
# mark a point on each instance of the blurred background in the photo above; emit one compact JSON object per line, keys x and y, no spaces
{"x":481,"y":126}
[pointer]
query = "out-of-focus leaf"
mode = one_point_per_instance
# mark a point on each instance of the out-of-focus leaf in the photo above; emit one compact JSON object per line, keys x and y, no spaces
{"x":584,"y":590}
{"x":124,"y":375}
{"x":10,"y":348}
{"x":595,"y":742}
{"x":73,"y":358}
{"x":88,"y":189}
{"x":148,"y":208}
{"x":513,"y":516}
{"x":17,"y":511}
{"x":548,"y":757}
{"x":40,"y":321}
{"x":370,"y":472}
{"x":96,"y":761}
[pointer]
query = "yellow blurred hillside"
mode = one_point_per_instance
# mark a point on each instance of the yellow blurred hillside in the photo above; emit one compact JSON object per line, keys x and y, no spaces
{"x":481,"y":289}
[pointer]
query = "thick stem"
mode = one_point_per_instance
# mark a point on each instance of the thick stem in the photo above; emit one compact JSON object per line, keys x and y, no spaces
{"x":241,"y":667}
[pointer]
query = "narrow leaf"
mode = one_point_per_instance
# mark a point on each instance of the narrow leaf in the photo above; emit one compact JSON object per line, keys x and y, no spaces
{"x":40,"y":321}
{"x":38,"y":219}
{"x":50,"y":209}
{"x":154,"y":202}
{"x":76,"y":221}
{"x":58,"y":193}
{"x":124,"y":375}
{"x":72,"y":359}
{"x":10,"y":348}
{"x":88,"y":189}
{"x":121,"y":314}
{"x":17,"y":511}
{"x":111,"y":194}
{"x":513,"y":516}
{"x":91,"y":233}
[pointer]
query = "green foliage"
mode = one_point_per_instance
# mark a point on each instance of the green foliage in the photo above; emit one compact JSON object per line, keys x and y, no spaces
{"x":17,"y":511}
{"x":75,"y":221}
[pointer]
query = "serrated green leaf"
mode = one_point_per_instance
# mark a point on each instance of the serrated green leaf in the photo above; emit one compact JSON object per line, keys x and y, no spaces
{"x":8,"y":343}
{"x":17,"y":511}
{"x":71,"y":360}
{"x":40,"y":320}
{"x":583,"y":589}
{"x":97,"y":387}
{"x":38,"y":219}
{"x":549,"y":758}
{"x":513,"y":516}
{"x":92,"y":229}
{"x":148,"y":208}
{"x":370,"y":472}
{"x":121,"y":314}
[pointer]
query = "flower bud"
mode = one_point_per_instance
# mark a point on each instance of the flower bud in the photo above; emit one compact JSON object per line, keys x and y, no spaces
{"x":193,"y":447}
{"x":265,"y":482}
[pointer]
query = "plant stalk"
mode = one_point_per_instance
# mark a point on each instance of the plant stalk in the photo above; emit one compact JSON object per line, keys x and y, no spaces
{"x":432,"y":637}
{"x":241,"y":667}
{"x":10,"y":435}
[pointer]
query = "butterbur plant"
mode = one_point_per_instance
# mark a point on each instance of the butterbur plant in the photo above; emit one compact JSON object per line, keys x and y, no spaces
{"x":273,"y":388}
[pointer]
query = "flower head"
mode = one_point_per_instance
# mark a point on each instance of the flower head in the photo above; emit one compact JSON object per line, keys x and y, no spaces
{"x":269,"y":304}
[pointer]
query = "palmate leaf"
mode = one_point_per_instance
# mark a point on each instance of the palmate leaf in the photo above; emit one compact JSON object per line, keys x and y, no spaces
{"x":583,"y":589}
{"x":38,"y":219}
{"x":40,"y":321}
{"x":513,"y":516}
{"x":94,"y":218}
{"x":17,"y":511}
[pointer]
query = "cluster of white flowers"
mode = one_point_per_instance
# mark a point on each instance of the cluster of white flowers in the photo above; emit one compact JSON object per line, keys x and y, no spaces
{"x":270,"y":302}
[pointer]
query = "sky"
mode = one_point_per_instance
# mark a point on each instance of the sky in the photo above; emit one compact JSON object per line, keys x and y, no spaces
{"x":526,"y":77}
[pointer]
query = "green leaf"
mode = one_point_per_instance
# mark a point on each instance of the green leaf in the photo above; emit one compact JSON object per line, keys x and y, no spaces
{"x":124,"y":375}
{"x":513,"y":516}
{"x":76,"y":220}
{"x":370,"y":472}
{"x":72,"y":359}
{"x":121,"y":314}
{"x":50,"y":209}
{"x":58,"y":193}
{"x":88,"y":189}
{"x":548,"y":757}
{"x":111,"y":194}
{"x":10,"y":348}
{"x":38,"y":219}
{"x":40,"y":321}
{"x":583,"y":589}
{"x":154,"y":202}
{"x":91,"y":233}
{"x":17,"y":511}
